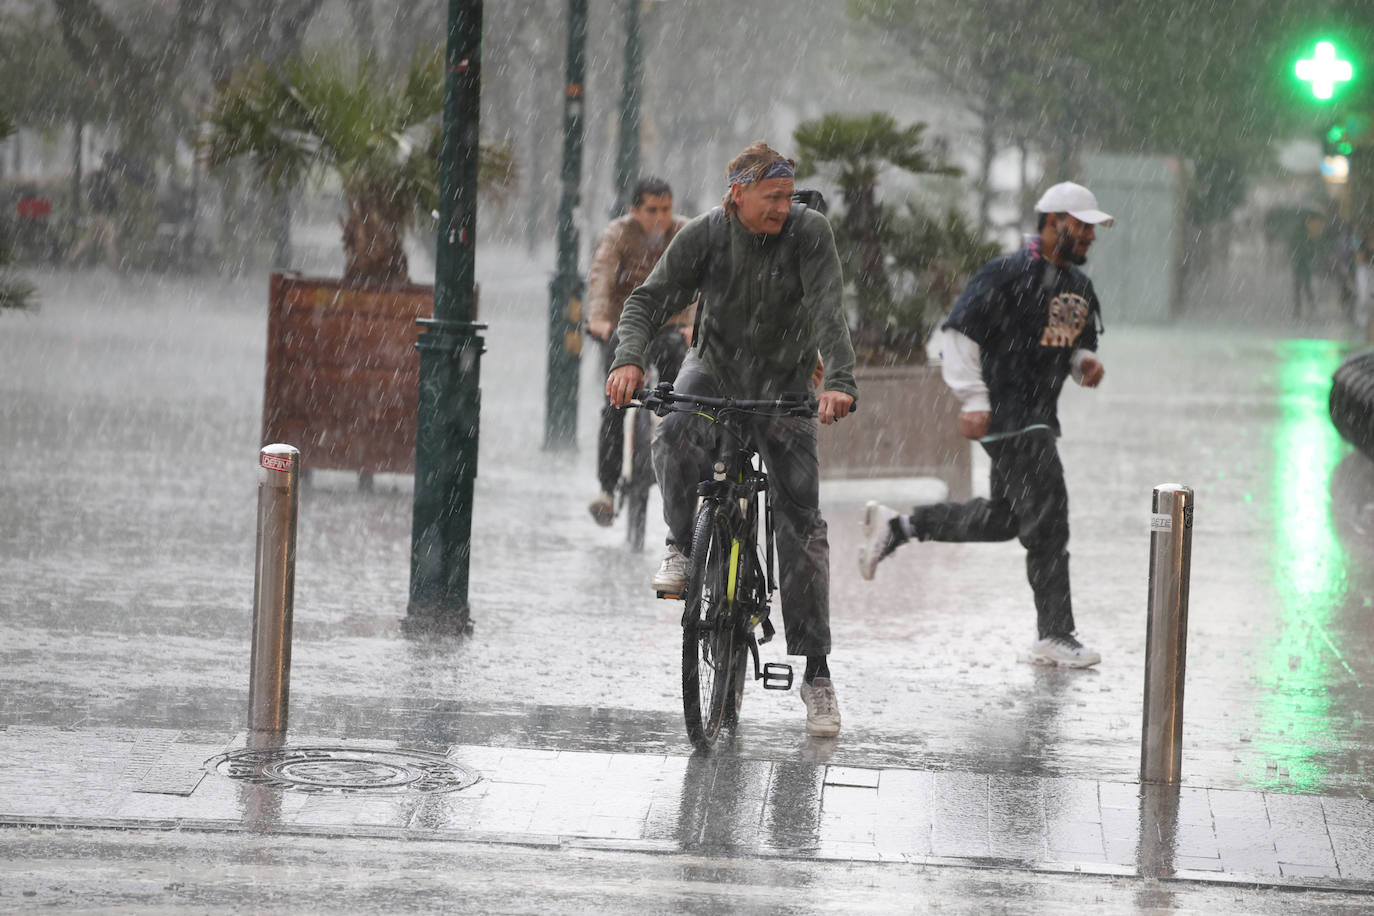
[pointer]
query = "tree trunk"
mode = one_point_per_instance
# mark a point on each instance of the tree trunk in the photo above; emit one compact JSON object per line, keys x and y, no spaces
{"x":986,"y":154}
{"x":374,"y":242}
{"x":78,"y":202}
{"x":1023,"y":191}
{"x":862,"y":217}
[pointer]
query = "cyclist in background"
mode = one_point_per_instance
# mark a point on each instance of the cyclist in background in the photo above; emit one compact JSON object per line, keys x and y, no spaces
{"x":628,"y":250}
{"x":770,"y":281}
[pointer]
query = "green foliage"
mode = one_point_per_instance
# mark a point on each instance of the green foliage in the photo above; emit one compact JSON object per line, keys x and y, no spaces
{"x":315,"y":115}
{"x":41,"y":84}
{"x":929,"y":258}
{"x":1013,"y":64}
{"x":858,"y":146}
{"x":946,"y":244}
{"x":1211,"y":85}
{"x":15,"y":293}
{"x":902,"y":266}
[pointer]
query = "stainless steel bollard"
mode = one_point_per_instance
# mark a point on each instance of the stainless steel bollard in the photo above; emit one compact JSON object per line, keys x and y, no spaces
{"x":1166,"y":633}
{"x":274,"y":588}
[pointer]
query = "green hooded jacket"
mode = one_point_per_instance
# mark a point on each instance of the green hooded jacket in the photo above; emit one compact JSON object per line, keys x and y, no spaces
{"x":761,"y":324}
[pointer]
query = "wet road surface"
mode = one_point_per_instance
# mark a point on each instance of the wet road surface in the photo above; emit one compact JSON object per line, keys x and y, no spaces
{"x":97,"y":871}
{"x":130,"y":410}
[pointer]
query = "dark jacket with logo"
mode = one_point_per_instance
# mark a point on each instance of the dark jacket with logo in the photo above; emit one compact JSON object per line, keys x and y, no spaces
{"x":1027,"y":317}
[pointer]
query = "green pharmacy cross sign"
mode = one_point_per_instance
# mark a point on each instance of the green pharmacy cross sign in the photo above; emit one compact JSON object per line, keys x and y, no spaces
{"x":1323,"y":70}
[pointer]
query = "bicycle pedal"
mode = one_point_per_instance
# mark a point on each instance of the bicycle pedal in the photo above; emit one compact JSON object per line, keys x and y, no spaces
{"x":777,"y":676}
{"x":671,"y":596}
{"x":768,"y":630}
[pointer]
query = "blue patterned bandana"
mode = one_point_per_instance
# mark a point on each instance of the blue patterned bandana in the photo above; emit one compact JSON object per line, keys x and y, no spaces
{"x":780,"y":169}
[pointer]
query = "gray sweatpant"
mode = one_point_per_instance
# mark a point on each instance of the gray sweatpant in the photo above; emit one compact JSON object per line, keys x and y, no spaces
{"x":684,"y":445}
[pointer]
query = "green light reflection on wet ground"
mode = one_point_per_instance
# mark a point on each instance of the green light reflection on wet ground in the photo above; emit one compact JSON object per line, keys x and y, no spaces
{"x":1309,"y":566}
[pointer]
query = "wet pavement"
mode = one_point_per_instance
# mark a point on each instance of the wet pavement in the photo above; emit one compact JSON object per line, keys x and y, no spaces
{"x":129,"y":416}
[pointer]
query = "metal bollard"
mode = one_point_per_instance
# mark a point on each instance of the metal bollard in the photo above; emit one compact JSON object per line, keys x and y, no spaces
{"x":273,"y":588}
{"x":1166,"y":633}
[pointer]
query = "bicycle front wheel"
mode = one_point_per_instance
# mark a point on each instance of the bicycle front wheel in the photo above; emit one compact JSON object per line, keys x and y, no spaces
{"x":640,"y":480}
{"x":712,"y":641}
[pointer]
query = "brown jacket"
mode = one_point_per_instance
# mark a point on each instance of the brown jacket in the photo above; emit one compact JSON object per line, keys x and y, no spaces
{"x":624,"y":257}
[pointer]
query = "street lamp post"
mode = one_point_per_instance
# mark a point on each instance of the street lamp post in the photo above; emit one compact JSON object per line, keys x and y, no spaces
{"x":627,"y":154}
{"x":565,"y":300}
{"x":450,"y":349}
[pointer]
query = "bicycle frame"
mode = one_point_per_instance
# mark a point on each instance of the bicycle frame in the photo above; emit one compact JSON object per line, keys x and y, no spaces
{"x":736,"y":482}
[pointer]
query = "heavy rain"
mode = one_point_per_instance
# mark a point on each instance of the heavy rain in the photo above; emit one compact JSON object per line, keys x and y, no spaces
{"x":400,"y":666}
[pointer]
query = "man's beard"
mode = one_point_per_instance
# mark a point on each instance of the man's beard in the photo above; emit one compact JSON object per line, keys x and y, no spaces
{"x":1066,"y":247}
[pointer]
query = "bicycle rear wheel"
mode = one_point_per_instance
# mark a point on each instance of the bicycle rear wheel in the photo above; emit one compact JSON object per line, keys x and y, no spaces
{"x":712,"y":640}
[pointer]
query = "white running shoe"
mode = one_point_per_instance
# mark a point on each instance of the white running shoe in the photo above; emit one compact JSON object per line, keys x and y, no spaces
{"x":822,"y":708}
{"x":672,"y":573}
{"x":877,"y":541}
{"x":1063,"y":650}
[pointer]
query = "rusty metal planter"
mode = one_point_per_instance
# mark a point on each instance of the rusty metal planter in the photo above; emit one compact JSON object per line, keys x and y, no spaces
{"x":907,"y":426}
{"x":343,"y":373}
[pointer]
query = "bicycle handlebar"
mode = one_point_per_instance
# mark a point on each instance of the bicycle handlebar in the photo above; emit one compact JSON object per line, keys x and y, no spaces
{"x":790,"y":403}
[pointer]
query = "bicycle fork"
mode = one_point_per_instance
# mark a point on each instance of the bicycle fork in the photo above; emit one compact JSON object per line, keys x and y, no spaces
{"x":775,"y":675}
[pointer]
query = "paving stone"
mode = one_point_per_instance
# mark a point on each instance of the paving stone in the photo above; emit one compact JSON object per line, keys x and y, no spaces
{"x":1072,"y":800}
{"x":1353,"y":848}
{"x":1080,"y":841}
{"x":791,"y":807}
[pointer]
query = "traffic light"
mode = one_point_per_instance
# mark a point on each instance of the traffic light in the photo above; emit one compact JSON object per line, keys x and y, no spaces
{"x":1336,"y":141}
{"x":1342,"y":136}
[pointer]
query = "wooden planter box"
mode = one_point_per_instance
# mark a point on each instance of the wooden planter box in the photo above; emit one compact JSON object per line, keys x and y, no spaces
{"x":343,"y":375}
{"x":907,"y":426}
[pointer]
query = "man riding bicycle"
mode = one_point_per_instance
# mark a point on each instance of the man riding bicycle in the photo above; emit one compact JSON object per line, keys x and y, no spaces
{"x":770,"y":281}
{"x":628,"y":250}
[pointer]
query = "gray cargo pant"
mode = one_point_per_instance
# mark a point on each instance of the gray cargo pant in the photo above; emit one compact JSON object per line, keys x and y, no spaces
{"x":684,"y":445}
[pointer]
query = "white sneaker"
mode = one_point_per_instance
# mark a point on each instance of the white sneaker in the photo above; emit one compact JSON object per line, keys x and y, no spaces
{"x":822,"y":708}
{"x":877,"y":541}
{"x":1063,"y":650}
{"x":672,"y":572}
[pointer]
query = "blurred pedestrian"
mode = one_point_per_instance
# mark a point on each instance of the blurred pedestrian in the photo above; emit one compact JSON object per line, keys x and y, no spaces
{"x":1364,"y":287}
{"x":1307,"y":240}
{"x":102,"y":220}
{"x":627,"y":252}
{"x":1342,"y":245}
{"x":771,"y":287}
{"x":1025,"y":323}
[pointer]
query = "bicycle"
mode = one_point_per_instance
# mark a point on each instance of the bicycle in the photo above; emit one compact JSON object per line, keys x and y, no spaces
{"x":631,"y":490}
{"x":730,"y":584}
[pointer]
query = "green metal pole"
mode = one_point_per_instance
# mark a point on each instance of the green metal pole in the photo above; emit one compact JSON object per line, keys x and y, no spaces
{"x":627,"y":154}
{"x":450,"y":350}
{"x":565,"y":300}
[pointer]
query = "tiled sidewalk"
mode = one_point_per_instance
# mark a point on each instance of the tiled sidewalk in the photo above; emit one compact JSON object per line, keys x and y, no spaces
{"x":157,"y":779}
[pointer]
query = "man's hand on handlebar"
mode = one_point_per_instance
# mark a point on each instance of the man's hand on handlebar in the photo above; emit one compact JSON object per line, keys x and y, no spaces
{"x":622,"y":382}
{"x":834,"y":405}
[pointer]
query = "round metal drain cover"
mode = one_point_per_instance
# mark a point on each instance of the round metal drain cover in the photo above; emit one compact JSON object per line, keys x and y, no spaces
{"x":343,"y":770}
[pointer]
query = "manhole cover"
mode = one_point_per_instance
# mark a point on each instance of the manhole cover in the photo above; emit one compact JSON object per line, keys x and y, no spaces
{"x":343,"y":770}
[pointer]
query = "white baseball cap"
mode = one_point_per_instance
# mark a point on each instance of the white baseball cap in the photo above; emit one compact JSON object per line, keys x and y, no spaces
{"x":1075,"y":200}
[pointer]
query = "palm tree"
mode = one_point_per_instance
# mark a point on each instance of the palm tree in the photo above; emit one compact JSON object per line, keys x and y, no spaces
{"x":14,"y":293}
{"x":856,"y":148}
{"x":313,"y":114}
